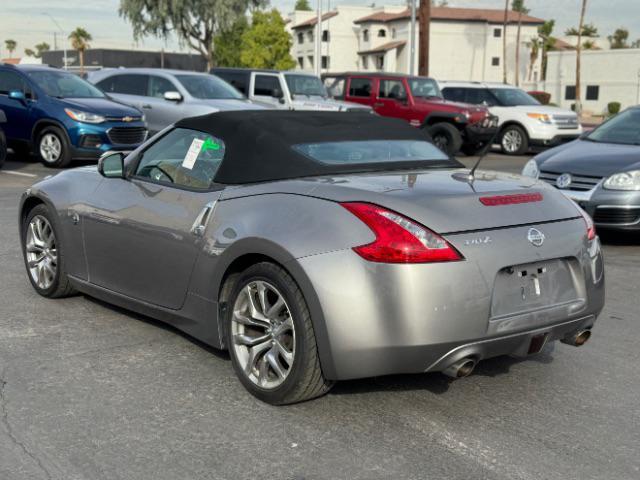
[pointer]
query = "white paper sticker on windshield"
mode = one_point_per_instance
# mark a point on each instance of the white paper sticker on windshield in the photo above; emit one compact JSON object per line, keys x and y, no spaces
{"x":192,"y":154}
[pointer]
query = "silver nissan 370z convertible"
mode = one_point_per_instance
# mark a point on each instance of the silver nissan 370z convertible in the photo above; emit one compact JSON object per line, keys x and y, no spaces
{"x":319,"y":247}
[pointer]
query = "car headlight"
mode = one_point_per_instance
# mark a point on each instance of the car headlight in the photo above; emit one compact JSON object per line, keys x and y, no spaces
{"x":541,"y":117}
{"x":84,"y":117}
{"x":623,"y":181}
{"x":531,"y":169}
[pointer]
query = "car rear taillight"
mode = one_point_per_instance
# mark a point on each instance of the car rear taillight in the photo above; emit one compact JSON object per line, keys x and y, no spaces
{"x":591,"y":228}
{"x":399,"y":239}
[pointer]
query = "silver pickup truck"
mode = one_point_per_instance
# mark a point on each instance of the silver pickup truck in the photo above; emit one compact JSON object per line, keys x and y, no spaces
{"x":286,"y":90}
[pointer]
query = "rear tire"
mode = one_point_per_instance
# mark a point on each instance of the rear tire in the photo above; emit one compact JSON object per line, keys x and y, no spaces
{"x":273,"y":349}
{"x":43,"y":254}
{"x":53,"y":147}
{"x":446,"y":137}
{"x":514,"y":140}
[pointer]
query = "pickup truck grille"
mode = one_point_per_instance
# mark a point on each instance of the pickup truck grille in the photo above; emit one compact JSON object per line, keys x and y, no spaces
{"x":127,"y":135}
{"x":580,"y":183}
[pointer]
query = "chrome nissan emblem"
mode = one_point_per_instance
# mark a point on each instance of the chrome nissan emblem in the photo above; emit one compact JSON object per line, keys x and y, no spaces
{"x":535,"y":237}
{"x":564,"y":180}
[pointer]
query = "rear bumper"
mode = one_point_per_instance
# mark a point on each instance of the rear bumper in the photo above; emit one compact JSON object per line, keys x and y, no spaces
{"x":385,"y":319}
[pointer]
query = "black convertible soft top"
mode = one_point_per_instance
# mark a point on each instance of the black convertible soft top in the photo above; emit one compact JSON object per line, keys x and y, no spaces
{"x":258,"y":143}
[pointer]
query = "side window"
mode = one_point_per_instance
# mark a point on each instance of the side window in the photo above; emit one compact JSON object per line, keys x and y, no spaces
{"x":12,"y":81}
{"x":454,"y":94}
{"x":265,"y":85}
{"x":159,"y":85}
{"x":477,"y":96}
{"x":360,"y":87}
{"x":393,"y":89}
{"x":183,"y":157}
{"x":107,"y":85}
{"x":130,"y":84}
{"x":236,"y":80}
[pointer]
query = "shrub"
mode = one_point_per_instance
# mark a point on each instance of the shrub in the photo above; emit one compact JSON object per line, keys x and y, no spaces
{"x":543,"y":97}
{"x":613,"y":108}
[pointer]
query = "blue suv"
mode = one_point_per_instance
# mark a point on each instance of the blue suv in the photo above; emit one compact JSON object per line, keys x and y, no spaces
{"x":61,"y":117}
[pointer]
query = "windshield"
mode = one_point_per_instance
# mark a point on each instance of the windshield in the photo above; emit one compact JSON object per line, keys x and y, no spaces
{"x":64,"y":85}
{"x":424,"y":88}
{"x":208,"y":87}
{"x":623,"y":128}
{"x":371,"y":151}
{"x":511,"y":97}
{"x":305,"y":85}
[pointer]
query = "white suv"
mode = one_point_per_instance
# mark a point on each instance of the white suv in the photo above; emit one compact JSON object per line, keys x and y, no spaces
{"x":523,"y":121}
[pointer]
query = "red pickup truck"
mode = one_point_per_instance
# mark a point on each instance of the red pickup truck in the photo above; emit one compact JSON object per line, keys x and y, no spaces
{"x":452,"y":126}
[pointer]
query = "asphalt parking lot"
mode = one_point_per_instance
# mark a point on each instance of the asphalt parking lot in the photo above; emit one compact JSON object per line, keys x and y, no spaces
{"x":90,"y":392}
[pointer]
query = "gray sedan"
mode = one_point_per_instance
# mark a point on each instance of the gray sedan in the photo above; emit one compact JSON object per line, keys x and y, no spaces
{"x":166,"y":96}
{"x":600,"y":171}
{"x":318,"y":247}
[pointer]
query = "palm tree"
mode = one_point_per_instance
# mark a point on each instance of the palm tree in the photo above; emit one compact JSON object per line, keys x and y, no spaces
{"x":80,"y":39}
{"x":534,"y":46}
{"x":578,"y":51}
{"x":548,"y":43}
{"x":10,"y":45}
{"x":518,"y":6}
{"x":504,"y":41}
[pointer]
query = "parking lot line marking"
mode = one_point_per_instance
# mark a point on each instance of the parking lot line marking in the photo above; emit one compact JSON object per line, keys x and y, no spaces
{"x":22,"y":174}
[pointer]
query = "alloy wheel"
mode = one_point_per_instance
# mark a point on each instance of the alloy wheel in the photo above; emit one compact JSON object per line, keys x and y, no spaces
{"x":42,"y":252}
{"x":511,"y":141}
{"x":50,"y":148}
{"x":263,"y":334}
{"x":441,"y":142}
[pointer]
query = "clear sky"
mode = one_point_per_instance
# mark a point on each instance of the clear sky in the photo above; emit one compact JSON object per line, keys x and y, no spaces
{"x":26,"y":21}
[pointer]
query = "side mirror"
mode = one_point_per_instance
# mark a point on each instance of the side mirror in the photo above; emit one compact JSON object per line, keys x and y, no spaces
{"x":111,"y":165}
{"x":173,"y":96}
{"x":17,"y":95}
{"x":276,"y":93}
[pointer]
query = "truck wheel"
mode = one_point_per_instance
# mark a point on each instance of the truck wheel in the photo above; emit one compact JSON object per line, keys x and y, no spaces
{"x":3,"y":148}
{"x":514,"y":140}
{"x":446,"y":137}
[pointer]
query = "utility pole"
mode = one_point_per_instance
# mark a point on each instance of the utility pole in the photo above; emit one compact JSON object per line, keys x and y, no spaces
{"x":412,"y":41}
{"x":423,"y":48}
{"x":318,"y":39}
{"x":504,"y":42}
{"x":64,"y":40}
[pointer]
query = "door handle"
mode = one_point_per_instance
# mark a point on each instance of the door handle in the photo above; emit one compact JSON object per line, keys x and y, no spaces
{"x":200,"y":224}
{"x":147,"y":106}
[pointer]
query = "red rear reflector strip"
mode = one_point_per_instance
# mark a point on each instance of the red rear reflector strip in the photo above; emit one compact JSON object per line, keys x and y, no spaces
{"x":511,"y":199}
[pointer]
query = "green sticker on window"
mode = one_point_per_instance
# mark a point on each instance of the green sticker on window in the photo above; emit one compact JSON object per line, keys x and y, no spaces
{"x":209,"y":144}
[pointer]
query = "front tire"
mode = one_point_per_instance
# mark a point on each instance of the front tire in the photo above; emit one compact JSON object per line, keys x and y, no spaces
{"x":44,"y":255}
{"x":514,"y":140}
{"x":53,"y":148}
{"x":271,"y":339}
{"x":446,"y":137}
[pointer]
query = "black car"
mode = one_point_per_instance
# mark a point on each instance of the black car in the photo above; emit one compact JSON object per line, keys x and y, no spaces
{"x":600,"y":171}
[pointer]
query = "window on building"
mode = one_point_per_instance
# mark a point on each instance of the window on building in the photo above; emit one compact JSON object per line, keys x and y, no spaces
{"x":324,"y":63}
{"x":495,"y":61}
{"x":360,"y":87}
{"x":365,"y":63}
{"x":497,"y":32}
{"x":380,"y":62}
{"x":310,"y":61}
{"x":593,"y":92}
{"x":310,"y":35}
{"x":325,"y":35}
{"x":570,"y":92}
{"x":301,"y":62}
{"x":382,"y":32}
{"x":300,"y":38}
{"x":393,"y":33}
{"x":392,"y":89}
{"x":365,"y":35}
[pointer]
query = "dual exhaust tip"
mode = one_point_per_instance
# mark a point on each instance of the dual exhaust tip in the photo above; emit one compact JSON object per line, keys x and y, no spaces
{"x":464,"y":367}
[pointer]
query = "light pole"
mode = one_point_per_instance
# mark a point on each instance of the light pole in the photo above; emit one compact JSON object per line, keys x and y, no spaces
{"x":412,"y":43}
{"x":64,"y":40}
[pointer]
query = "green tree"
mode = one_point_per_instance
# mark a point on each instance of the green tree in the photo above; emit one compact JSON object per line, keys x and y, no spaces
{"x":194,"y":22}
{"x":302,"y":5}
{"x":266,"y":44}
{"x":11,"y":46}
{"x":227,"y":43}
{"x":534,"y":45}
{"x":29,"y":53}
{"x":80,"y":39}
{"x":619,"y":38}
{"x":545,"y":32}
{"x":518,"y":6}
{"x":41,"y":48}
{"x":588,"y":30}
{"x":636,"y":44}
